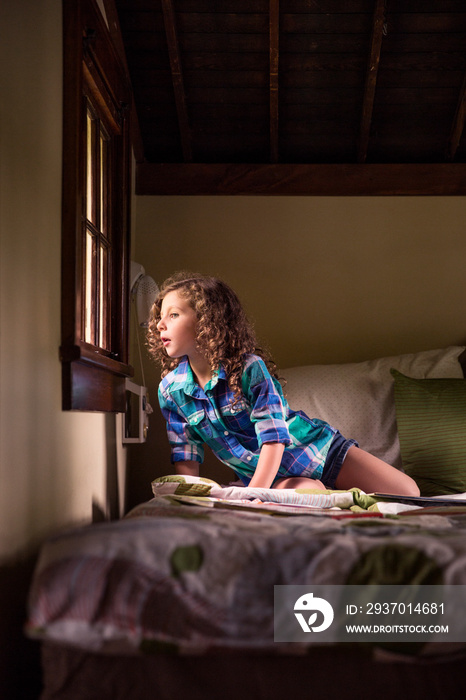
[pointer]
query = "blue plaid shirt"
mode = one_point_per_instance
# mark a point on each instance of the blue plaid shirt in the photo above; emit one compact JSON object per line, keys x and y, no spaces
{"x":197,"y":416}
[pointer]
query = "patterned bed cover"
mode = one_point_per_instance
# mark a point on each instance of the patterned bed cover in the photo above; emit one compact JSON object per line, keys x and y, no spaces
{"x":196,"y":573}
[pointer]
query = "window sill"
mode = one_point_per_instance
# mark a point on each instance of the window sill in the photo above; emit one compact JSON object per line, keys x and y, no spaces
{"x":93,"y":381}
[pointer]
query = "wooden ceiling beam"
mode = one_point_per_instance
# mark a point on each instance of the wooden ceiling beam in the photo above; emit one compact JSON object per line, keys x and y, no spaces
{"x":274,"y":30}
{"x":378,"y":23}
{"x":458,"y":124}
{"x":300,"y":179}
{"x":171,"y":33}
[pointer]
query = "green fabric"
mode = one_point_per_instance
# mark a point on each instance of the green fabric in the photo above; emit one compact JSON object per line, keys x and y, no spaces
{"x":395,"y":564}
{"x":184,"y":479}
{"x":192,"y":486}
{"x":184,"y":559}
{"x":362,"y":501}
{"x":431,"y":420}
{"x":194,"y":489}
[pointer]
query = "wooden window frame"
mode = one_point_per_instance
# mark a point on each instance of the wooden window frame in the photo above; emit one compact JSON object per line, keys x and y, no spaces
{"x":93,"y":377}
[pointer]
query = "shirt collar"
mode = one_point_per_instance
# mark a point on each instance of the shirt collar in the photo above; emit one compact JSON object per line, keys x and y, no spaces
{"x":217,"y":375}
{"x":185,"y":378}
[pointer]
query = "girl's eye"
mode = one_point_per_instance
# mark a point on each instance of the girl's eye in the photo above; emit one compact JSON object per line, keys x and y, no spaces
{"x":174,"y":315}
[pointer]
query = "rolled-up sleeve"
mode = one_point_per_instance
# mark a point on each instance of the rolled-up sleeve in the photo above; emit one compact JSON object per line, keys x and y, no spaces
{"x":185,"y":445}
{"x":268,"y":406}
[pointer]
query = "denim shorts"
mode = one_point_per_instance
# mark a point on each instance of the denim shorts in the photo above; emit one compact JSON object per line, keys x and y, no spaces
{"x":335,"y":458}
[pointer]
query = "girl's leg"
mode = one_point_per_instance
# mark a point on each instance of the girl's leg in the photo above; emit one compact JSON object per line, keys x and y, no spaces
{"x":362,"y":470}
{"x":298,"y":482}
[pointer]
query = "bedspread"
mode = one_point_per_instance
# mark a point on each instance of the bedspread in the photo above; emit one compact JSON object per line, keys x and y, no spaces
{"x":197,"y":574}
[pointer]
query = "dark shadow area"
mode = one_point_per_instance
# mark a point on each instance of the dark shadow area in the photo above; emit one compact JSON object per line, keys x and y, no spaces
{"x":111,"y":477}
{"x":20,"y":669}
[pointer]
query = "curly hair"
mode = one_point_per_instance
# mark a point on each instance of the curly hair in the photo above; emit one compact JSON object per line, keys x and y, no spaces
{"x":224,"y":334}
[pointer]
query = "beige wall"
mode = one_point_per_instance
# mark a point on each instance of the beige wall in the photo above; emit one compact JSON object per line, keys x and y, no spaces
{"x":53,"y":465}
{"x":326,"y":279}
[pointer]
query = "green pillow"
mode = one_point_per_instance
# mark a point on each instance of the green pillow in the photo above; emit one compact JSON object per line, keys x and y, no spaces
{"x":431,"y":420}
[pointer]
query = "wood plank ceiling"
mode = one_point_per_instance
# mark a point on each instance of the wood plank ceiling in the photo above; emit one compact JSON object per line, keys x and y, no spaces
{"x":295,"y":96}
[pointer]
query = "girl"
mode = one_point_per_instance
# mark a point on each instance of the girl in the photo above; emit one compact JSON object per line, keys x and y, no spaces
{"x":219,"y":388}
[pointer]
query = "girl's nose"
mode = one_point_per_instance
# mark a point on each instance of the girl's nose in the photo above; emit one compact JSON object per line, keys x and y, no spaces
{"x":160,"y":324}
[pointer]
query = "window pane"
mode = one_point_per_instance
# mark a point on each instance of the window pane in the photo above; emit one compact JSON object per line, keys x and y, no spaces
{"x":90,"y":200}
{"x":90,"y":286}
{"x":103,"y":182}
{"x":104,"y":300}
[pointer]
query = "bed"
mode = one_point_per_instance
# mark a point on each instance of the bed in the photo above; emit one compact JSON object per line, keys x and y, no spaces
{"x":177,"y":598}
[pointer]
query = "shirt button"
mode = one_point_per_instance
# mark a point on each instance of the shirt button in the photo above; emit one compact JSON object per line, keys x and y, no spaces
{"x":249,"y":458}
{"x":225,"y":432}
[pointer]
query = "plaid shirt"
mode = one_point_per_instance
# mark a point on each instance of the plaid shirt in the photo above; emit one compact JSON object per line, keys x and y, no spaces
{"x":236,"y":433}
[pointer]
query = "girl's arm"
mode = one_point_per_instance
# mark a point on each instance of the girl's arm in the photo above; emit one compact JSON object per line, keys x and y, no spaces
{"x":267,"y":467}
{"x":189,"y":467}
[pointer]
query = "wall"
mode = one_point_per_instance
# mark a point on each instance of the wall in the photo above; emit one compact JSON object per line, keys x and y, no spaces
{"x":56,"y":468}
{"x":54,"y":464}
{"x":326,"y":279}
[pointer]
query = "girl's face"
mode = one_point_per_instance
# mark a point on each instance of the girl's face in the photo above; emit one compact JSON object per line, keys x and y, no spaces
{"x":177,"y":326}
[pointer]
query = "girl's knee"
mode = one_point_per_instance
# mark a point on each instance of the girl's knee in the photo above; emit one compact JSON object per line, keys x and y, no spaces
{"x":411,"y":488}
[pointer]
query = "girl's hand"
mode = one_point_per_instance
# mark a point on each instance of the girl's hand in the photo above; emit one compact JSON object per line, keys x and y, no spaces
{"x":267,"y":467}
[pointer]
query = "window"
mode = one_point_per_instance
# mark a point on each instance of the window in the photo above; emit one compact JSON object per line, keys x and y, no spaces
{"x":95,"y":227}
